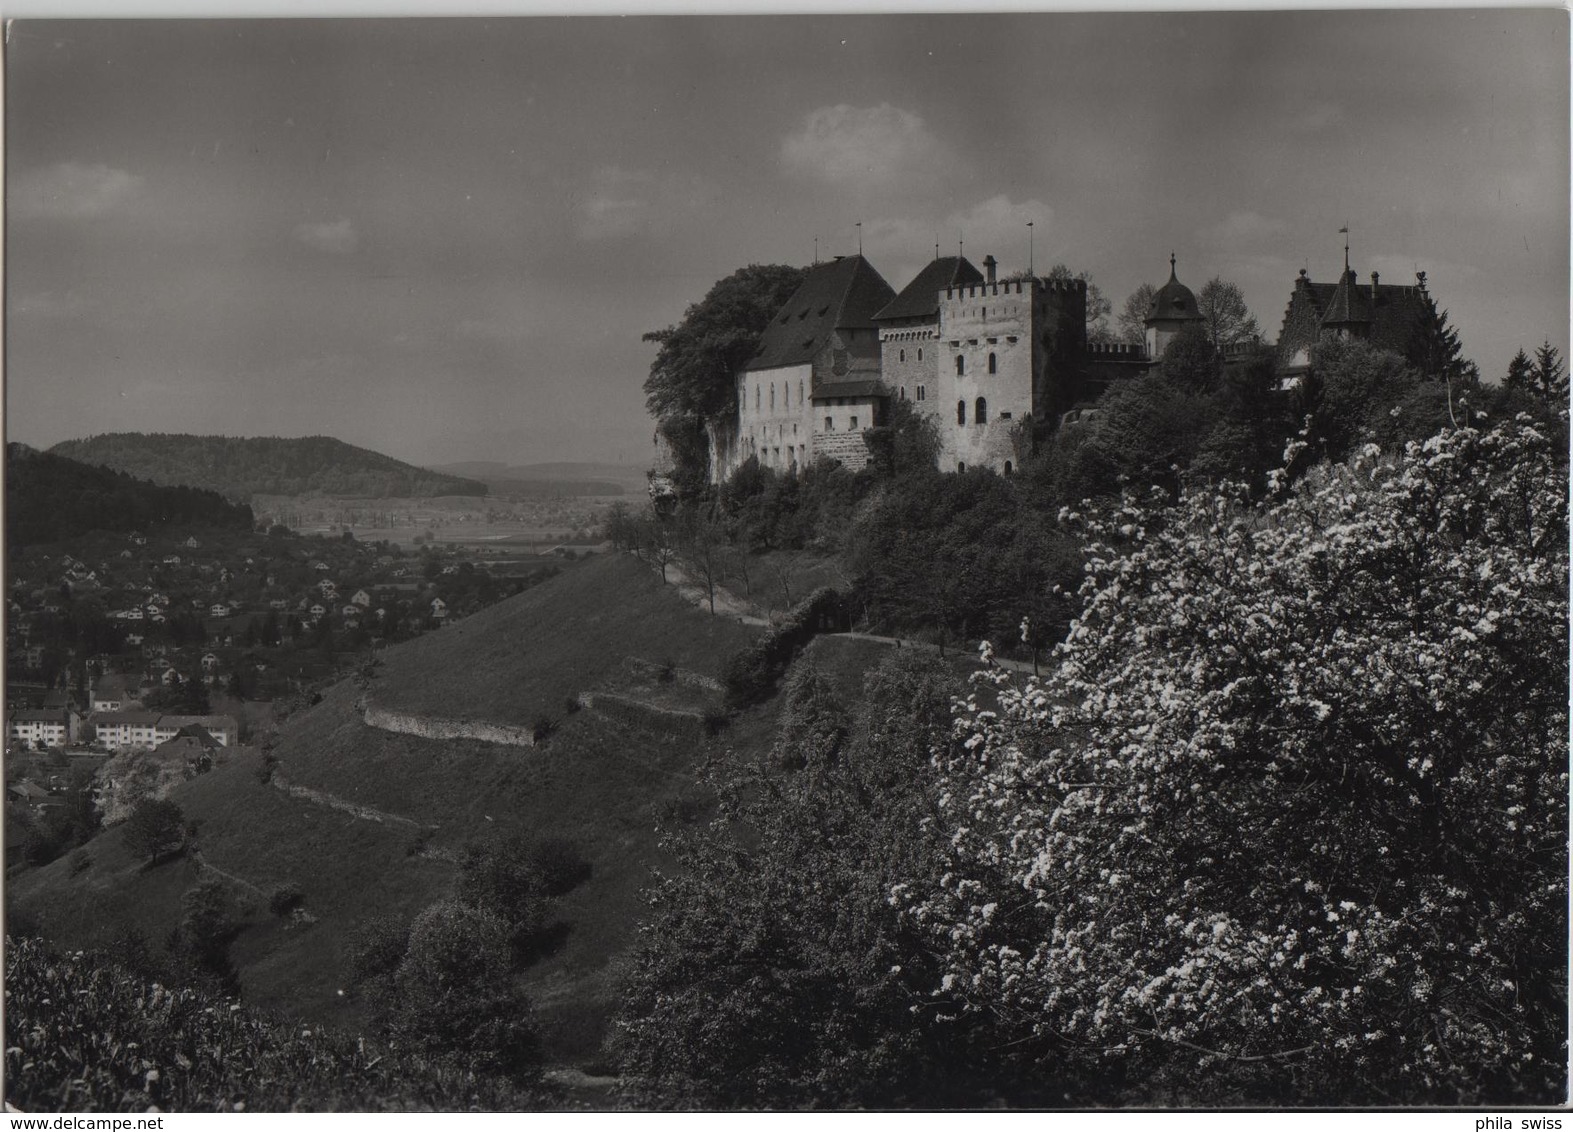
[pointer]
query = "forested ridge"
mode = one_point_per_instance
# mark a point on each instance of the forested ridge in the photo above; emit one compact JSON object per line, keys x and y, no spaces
{"x":241,"y":467}
{"x":49,"y":498}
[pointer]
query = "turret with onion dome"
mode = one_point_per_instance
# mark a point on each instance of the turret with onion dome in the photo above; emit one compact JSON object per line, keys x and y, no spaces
{"x":1173,"y":311}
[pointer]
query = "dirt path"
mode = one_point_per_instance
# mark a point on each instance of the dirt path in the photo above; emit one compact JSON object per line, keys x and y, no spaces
{"x":1024,"y":666}
{"x":207,"y":866}
{"x":342,"y":805}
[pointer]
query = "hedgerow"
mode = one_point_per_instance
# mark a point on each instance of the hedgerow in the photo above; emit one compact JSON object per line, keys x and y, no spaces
{"x":751,"y":673}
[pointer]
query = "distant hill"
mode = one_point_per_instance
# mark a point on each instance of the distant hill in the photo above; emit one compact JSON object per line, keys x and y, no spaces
{"x":49,"y":498}
{"x":560,"y":478}
{"x":242,"y":467}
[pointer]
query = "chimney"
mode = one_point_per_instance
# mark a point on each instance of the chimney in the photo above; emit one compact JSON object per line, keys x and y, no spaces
{"x":989,"y":265}
{"x":1374,"y":279}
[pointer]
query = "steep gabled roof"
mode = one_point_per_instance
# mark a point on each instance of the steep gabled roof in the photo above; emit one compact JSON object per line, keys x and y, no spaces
{"x":840,"y":295}
{"x":920,"y":298}
{"x":1395,"y":315}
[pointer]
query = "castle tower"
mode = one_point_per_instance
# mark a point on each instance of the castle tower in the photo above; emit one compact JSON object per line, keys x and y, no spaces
{"x":1173,"y":311}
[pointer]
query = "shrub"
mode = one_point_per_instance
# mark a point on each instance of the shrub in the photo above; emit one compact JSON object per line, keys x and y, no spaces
{"x":558,"y":865}
{"x":454,"y":996}
{"x":286,"y":898}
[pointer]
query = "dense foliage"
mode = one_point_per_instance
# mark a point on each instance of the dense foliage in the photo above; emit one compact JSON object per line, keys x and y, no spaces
{"x":1287,"y":821}
{"x":959,"y":557}
{"x":692,"y":380}
{"x":49,"y":498}
{"x":84,"y":1034}
{"x":750,"y":674}
{"x":773,"y":970}
{"x":242,"y":467}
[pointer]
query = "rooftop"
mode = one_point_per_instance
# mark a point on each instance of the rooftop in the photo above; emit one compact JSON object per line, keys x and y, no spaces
{"x":841,"y":295}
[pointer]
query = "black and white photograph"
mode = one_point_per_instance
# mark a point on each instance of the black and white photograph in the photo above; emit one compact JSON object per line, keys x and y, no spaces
{"x":744,"y":561}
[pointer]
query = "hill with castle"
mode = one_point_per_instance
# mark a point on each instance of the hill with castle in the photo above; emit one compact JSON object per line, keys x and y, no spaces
{"x":993,"y":362}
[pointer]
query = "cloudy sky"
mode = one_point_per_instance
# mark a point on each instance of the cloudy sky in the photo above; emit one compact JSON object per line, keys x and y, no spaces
{"x":443,"y":239}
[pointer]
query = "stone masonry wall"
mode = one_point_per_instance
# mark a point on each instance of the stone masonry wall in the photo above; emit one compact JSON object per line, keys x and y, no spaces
{"x":435,"y":727}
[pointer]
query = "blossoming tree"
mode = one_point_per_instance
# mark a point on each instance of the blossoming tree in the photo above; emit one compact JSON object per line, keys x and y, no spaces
{"x":1287,"y":820}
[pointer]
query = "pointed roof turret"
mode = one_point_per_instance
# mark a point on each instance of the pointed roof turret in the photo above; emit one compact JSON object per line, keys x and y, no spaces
{"x":1174,"y":301}
{"x":1349,"y":305}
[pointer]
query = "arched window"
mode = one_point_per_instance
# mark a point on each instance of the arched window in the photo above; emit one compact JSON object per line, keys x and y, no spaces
{"x":756,"y":398}
{"x":772,"y":395}
{"x":961,"y":412}
{"x":981,"y":412}
{"x":1007,"y":467}
{"x":800,"y":391}
{"x":903,"y":355}
{"x":920,"y":353}
{"x":961,"y":365}
{"x":961,"y":465}
{"x":993,"y":364}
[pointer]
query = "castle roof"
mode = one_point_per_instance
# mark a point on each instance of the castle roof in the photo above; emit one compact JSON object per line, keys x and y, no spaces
{"x":1174,"y":302}
{"x":1394,"y":313}
{"x":1347,"y":304}
{"x":920,"y":298}
{"x":840,"y":295}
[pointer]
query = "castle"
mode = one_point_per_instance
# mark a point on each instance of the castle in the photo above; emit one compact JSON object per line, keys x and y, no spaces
{"x":984,"y":358}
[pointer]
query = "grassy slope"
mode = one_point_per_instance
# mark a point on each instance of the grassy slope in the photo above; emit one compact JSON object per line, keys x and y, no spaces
{"x":596,"y":781}
{"x":520,"y":659}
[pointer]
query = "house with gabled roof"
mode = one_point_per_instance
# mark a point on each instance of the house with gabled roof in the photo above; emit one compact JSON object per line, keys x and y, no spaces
{"x":824,"y":333}
{"x":1389,"y":316}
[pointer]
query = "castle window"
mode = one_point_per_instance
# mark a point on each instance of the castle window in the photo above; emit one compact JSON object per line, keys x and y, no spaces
{"x":961,"y":412}
{"x":800,"y":391}
{"x":982,"y":411}
{"x":1005,"y":416}
{"x":903,"y":355}
{"x":1008,"y":468}
{"x":830,"y":425}
{"x":993,"y":364}
{"x":961,"y":365}
{"x":772,"y":395}
{"x":920,"y":353}
{"x":983,"y":312}
{"x":961,"y":465}
{"x":756,"y":398}
{"x":853,"y":426}
{"x":921,"y":392}
{"x":794,"y":428}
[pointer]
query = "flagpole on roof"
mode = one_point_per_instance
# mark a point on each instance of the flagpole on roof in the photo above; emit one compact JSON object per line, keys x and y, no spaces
{"x":1345,"y":231}
{"x":860,"y":237}
{"x":1029,"y":247}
